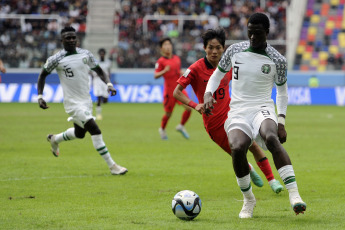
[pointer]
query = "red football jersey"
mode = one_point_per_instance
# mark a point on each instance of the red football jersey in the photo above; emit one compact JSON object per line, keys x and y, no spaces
{"x":197,"y":75}
{"x":172,"y":75}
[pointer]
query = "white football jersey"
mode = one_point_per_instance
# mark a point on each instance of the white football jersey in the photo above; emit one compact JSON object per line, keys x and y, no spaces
{"x":253,"y":74}
{"x":73,"y":71}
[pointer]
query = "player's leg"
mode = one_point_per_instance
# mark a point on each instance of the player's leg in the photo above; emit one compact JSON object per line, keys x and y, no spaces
{"x":265,"y":167}
{"x":168,"y":105}
{"x":218,"y":135}
{"x":239,"y":142}
{"x":268,"y":131}
{"x":55,"y":139}
{"x":99,"y":108}
{"x":185,"y":117}
{"x":101,"y":148}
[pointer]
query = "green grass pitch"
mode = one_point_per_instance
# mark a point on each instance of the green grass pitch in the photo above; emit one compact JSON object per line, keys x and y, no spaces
{"x":76,"y":190}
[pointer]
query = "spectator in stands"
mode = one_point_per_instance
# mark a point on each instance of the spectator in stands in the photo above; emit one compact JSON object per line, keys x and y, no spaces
{"x":37,"y":37}
{"x":2,"y":68}
{"x":233,"y":16}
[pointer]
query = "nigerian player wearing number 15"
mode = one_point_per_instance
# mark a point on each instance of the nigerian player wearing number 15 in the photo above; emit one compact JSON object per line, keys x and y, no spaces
{"x":256,"y":67}
{"x":73,"y":65}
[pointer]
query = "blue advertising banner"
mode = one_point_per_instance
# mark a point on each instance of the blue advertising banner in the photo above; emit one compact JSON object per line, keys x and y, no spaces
{"x":27,"y":92}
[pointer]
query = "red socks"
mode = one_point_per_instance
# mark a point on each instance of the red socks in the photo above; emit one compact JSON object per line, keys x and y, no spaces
{"x":185,"y":116}
{"x":265,"y":167}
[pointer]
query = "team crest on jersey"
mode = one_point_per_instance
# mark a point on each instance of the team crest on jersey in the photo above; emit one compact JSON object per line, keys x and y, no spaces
{"x":266,"y":68}
{"x":85,"y":60}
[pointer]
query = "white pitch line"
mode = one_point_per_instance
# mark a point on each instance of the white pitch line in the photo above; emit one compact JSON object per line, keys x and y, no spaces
{"x":48,"y":178}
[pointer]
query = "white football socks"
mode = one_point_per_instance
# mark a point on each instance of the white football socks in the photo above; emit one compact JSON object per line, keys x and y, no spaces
{"x":245,"y":186}
{"x":99,"y":145}
{"x":65,"y":136}
{"x":288,"y":176}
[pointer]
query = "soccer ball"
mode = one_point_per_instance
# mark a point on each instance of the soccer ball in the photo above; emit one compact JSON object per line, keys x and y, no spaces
{"x":186,"y":205}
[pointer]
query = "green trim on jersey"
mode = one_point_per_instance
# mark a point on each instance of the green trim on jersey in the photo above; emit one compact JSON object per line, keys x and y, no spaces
{"x":47,"y":70}
{"x":221,"y":70}
{"x":281,"y":83}
{"x":262,"y":52}
{"x":94,"y":67}
{"x":71,"y":53}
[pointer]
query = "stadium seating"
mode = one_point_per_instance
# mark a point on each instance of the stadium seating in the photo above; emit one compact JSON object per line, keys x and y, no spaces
{"x":140,"y":50}
{"x":28,"y":43}
{"x":322,"y":38}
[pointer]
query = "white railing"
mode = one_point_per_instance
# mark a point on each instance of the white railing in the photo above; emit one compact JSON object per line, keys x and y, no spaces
{"x":179,"y":18}
{"x":22,"y":18}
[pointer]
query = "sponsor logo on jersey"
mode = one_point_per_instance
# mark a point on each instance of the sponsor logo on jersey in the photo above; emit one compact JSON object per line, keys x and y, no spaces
{"x":266,"y":68}
{"x":85,"y":60}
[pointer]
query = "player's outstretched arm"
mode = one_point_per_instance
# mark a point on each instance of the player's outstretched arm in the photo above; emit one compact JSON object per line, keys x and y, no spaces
{"x":161,"y":73}
{"x":185,"y":100}
{"x":208,"y":103}
{"x":40,"y":86}
{"x":282,"y":102}
{"x":106,"y":79}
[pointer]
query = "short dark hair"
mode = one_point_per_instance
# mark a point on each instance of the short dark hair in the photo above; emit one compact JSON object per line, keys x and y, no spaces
{"x":67,"y":29}
{"x":163,"y":40}
{"x":218,"y":33}
{"x":102,"y":50}
{"x":260,"y":18}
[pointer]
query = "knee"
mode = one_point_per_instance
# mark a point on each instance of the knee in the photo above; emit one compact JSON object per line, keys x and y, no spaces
{"x":238,"y":149}
{"x":95,"y":131}
{"x":272,"y":141}
{"x":79,"y":135}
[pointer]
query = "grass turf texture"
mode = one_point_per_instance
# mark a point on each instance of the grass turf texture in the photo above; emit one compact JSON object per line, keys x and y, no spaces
{"x":76,"y":190}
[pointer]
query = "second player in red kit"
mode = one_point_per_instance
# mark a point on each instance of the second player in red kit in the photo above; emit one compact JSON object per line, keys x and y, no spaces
{"x":169,"y":66}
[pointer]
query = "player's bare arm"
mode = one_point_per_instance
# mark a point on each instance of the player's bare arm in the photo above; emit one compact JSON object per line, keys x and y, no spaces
{"x":106,"y":79}
{"x":185,"y":100}
{"x":282,"y":134}
{"x":208,"y":103}
{"x":161,"y":73}
{"x":40,"y":86}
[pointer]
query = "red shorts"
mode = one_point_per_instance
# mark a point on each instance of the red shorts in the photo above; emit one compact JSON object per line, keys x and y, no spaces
{"x":219,"y":136}
{"x":169,"y":101}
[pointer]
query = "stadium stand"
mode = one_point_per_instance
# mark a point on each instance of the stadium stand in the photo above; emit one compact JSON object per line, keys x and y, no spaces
{"x":322,"y":39}
{"x":137,"y":49}
{"x":27,"y":41}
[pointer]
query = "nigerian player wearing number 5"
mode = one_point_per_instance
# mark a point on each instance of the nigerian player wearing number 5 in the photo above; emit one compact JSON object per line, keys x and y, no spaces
{"x":256,"y":67}
{"x":197,"y":75}
{"x":73,"y":65}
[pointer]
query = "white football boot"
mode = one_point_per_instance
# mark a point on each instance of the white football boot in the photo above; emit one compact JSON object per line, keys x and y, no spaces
{"x":247,"y":208}
{"x":163,"y":134}
{"x":54,"y":145}
{"x":118,"y":170}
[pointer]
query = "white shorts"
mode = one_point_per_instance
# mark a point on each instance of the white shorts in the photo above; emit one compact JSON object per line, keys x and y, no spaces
{"x":81,"y":115}
{"x":249,"y":121}
{"x":100,"y":89}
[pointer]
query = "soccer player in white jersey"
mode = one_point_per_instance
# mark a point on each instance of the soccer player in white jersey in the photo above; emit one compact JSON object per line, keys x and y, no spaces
{"x":100,"y":89}
{"x":73,"y":65}
{"x":257,"y":66}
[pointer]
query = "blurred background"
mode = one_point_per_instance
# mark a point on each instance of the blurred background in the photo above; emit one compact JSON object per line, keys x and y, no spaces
{"x":309,"y":33}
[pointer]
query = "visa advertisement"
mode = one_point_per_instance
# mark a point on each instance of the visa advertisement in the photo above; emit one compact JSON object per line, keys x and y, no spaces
{"x":27,"y":92}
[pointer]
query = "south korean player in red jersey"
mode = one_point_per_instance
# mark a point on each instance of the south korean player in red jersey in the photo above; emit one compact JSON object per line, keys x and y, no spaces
{"x":197,"y":75}
{"x":169,"y":66}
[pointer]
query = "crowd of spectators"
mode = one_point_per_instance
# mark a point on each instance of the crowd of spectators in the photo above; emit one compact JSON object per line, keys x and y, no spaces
{"x":26,"y":43}
{"x":139,"y":49}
